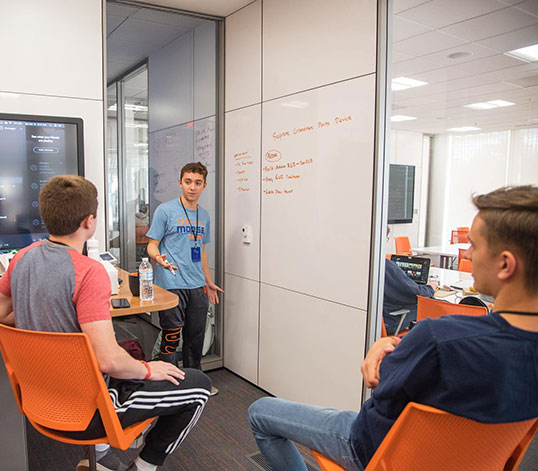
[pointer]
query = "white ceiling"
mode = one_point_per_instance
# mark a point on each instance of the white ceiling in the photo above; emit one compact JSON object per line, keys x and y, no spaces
{"x":426,"y":32}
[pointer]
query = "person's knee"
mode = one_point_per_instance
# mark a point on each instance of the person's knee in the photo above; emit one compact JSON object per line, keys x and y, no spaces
{"x":256,"y":409}
{"x":198,"y":379}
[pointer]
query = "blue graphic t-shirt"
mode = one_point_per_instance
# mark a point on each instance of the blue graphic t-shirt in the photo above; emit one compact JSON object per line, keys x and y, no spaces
{"x":171,"y":226}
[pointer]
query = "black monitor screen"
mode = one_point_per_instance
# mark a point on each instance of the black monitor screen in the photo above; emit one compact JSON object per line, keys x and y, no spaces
{"x":401,"y":194}
{"x":32,"y":150}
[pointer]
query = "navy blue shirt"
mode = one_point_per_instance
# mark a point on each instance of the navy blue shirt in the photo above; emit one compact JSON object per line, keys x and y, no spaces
{"x":401,"y":293}
{"x":481,"y":368}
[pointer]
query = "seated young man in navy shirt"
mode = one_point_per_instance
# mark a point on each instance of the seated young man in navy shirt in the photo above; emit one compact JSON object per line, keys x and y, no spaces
{"x":484,"y":368}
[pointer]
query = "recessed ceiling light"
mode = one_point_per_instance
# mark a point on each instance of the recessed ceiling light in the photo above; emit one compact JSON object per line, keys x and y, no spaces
{"x":459,"y":55}
{"x":464,"y":129}
{"x":401,"y":117}
{"x":402,"y":83}
{"x":488,"y":105}
{"x":527,"y":54}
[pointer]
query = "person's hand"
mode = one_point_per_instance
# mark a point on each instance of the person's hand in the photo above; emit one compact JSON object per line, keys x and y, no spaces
{"x":162,"y":370}
{"x":379,"y":350}
{"x":213,"y":293}
{"x":434,"y":285}
{"x":161,"y":260}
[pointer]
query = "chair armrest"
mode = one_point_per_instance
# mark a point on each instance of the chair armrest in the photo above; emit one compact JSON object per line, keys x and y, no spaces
{"x":402,"y":313}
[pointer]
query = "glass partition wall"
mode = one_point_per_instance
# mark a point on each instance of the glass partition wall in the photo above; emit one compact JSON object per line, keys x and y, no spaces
{"x":162,"y":114}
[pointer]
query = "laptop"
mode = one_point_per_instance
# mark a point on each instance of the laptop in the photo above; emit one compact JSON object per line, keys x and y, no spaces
{"x":416,"y":268}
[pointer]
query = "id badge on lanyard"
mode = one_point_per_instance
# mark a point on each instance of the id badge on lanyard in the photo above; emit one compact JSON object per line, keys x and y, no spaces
{"x":196,"y":254}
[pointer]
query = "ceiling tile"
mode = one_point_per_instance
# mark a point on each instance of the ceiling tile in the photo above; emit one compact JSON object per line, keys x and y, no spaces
{"x":513,"y":40}
{"x":475,"y":50}
{"x":492,"y":24}
{"x":401,"y":5}
{"x":440,"y":75}
{"x":147,"y":32}
{"x":397,"y":56}
{"x":119,"y":10}
{"x":168,"y":18}
{"x":427,"y":43}
{"x":530,"y":6}
{"x":499,"y":61}
{"x":439,"y":13}
{"x":403,"y":29}
{"x":112,"y":22}
{"x":412,"y":66}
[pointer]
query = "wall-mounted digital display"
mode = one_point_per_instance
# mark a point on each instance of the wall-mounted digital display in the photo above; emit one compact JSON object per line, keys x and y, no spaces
{"x":401,"y":194}
{"x":32,"y":150}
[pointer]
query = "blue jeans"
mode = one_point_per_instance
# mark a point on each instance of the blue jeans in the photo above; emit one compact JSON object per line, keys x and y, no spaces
{"x":275,"y":423}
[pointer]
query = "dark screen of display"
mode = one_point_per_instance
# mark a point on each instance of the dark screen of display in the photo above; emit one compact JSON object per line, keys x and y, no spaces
{"x":30,"y":154}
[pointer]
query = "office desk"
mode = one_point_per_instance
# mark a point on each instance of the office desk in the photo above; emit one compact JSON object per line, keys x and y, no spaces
{"x":162,"y":299}
{"x":446,"y":252}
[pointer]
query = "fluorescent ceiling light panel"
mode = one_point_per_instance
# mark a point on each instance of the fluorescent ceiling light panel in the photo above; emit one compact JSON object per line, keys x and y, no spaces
{"x":295,"y":104}
{"x":402,"y":83}
{"x":401,"y":117}
{"x":527,"y":54}
{"x":488,"y":105}
{"x":464,"y":129}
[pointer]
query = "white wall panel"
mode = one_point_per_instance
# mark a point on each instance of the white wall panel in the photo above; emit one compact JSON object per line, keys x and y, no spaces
{"x":52,"y":48}
{"x":171,"y":84}
{"x":241,"y":307}
{"x":205,"y":70}
{"x":317,"y":153}
{"x":243,"y":57}
{"x":308,"y":43}
{"x":242,"y":196}
{"x":310,"y":349}
{"x":91,"y":112}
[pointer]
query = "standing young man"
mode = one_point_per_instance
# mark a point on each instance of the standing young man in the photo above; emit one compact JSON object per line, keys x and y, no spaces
{"x":178,"y":235}
{"x":50,"y":286}
{"x":483,"y":368}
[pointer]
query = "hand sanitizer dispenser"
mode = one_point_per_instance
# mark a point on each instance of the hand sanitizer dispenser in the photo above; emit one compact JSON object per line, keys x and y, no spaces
{"x":93,"y":252}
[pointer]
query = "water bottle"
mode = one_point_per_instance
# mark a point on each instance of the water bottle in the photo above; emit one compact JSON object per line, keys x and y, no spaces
{"x":145,"y":275}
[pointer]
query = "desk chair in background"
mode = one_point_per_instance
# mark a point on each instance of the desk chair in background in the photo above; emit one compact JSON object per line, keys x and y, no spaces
{"x":465,"y":265}
{"x":403,"y":246}
{"x":459,"y":236}
{"x":425,"y":439}
{"x":58,"y":387}
{"x":434,"y":308}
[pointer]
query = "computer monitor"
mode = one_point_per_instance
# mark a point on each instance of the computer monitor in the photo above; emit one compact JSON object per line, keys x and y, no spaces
{"x":416,"y":268}
{"x":32,"y":150}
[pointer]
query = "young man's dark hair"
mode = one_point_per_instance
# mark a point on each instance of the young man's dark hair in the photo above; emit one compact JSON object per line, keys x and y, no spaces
{"x":194,"y":167}
{"x":510,"y":216}
{"x":65,"y":201}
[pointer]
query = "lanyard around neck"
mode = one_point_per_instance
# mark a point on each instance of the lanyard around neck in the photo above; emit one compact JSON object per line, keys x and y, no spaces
{"x":190,"y":224}
{"x":519,"y":313}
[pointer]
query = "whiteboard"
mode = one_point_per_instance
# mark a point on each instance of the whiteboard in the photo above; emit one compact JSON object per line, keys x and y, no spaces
{"x":169,"y":150}
{"x":317,"y":178}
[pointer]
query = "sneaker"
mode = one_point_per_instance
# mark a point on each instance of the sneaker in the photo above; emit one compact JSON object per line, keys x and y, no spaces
{"x":109,"y":462}
{"x":214,"y":391}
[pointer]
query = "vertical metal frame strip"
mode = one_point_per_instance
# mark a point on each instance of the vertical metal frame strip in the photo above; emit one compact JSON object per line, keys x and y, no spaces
{"x":380,"y":177}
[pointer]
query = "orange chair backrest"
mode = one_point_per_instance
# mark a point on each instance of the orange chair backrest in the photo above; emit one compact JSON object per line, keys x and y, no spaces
{"x":57,"y":382}
{"x":402,"y":245}
{"x":459,"y":237}
{"x":425,"y":439}
{"x":434,"y":308}
{"x":465,"y":265}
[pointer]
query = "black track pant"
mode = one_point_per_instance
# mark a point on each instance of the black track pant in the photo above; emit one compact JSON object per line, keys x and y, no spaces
{"x":178,"y":409}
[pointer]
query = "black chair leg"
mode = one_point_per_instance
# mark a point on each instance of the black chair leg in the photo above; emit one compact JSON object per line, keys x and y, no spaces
{"x":91,"y":458}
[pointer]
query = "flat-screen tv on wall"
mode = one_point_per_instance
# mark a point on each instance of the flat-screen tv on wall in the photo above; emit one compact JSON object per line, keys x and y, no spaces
{"x":32,"y":150}
{"x":401,"y":193}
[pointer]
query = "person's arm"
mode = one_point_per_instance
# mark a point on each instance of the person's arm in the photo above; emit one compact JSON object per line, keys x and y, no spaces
{"x":159,"y":258}
{"x":379,"y":350}
{"x":212,"y":288}
{"x":116,"y":362}
{"x":6,"y":310}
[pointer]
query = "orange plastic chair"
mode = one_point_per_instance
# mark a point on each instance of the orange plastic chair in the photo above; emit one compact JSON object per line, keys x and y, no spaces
{"x":403,"y":245}
{"x":465,"y":265}
{"x":425,"y":439}
{"x":58,"y":386}
{"x":434,"y":308}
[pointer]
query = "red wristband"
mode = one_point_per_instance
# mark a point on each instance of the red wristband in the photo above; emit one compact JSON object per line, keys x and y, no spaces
{"x":155,"y":257}
{"x":148,"y":374}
